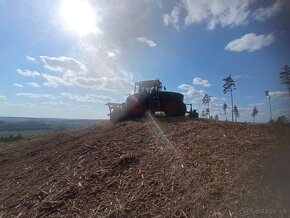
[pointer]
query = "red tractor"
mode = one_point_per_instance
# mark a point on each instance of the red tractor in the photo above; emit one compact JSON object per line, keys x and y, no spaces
{"x":151,"y":96}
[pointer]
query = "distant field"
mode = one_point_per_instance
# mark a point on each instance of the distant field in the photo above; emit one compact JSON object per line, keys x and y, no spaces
{"x":27,"y":127}
{"x":25,"y":133}
{"x":23,"y":123}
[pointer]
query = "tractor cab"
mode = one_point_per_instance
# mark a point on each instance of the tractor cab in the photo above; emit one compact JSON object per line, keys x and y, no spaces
{"x":148,"y":87}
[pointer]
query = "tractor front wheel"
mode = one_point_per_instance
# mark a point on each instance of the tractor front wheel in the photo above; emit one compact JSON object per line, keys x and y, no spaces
{"x":136,"y":107}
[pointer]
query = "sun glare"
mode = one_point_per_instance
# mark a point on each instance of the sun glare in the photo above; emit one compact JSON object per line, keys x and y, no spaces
{"x":78,"y":16}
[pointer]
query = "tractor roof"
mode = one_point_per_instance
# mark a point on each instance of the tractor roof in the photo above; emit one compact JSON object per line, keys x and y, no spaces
{"x":148,"y":82}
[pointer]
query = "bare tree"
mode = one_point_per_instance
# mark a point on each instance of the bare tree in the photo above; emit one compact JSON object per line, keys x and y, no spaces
{"x":228,"y":87}
{"x":285,"y":77}
{"x":216,"y":117}
{"x":254,"y":113}
{"x":207,"y":112}
{"x":206,"y":101}
{"x":236,"y":113}
{"x":203,"y":114}
{"x":225,"y":106}
{"x":267,"y":93}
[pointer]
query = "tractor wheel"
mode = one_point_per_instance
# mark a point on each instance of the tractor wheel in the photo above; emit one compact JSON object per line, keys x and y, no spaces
{"x":136,"y":107}
{"x":182,"y":110}
{"x":171,"y":107}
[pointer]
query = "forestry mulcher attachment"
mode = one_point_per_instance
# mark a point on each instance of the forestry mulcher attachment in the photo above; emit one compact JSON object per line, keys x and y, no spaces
{"x":151,"y":96}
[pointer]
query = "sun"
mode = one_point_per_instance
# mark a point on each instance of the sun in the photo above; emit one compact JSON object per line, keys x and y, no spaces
{"x":78,"y":16}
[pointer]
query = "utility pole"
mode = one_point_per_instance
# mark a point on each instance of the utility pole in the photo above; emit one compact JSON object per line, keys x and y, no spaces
{"x":267,"y":93}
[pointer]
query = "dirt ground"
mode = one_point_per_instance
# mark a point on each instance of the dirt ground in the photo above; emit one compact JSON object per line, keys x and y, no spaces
{"x":155,"y":167}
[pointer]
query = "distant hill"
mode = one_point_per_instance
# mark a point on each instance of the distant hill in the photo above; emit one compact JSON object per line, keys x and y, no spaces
{"x":25,"y":123}
{"x":167,"y":167}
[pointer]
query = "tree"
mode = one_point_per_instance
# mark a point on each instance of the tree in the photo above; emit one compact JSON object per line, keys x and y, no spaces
{"x":285,"y":77}
{"x":254,"y":113}
{"x":18,"y":137}
{"x":236,"y":112}
{"x":206,"y":101}
{"x":203,"y":114}
{"x":228,"y":87}
{"x":207,"y":113}
{"x":225,"y":106}
{"x":267,"y":93}
{"x":216,"y":117}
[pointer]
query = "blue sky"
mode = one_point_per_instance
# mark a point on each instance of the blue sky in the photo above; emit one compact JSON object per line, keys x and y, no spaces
{"x":67,"y":58}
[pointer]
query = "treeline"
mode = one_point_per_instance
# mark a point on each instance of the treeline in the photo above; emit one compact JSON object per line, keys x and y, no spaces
{"x":230,"y":85}
{"x":11,"y":138}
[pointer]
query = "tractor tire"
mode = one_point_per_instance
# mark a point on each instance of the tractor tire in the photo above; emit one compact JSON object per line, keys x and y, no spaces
{"x":136,"y":107}
{"x":182,"y":110}
{"x":171,"y":107}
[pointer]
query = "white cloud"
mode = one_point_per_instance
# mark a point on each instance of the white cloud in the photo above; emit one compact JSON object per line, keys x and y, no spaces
{"x":147,"y":41}
{"x":76,"y":73}
{"x":250,"y":42}
{"x":28,"y":73}
{"x":258,"y":104}
{"x":241,"y":76}
{"x":35,"y":95}
{"x":226,"y":13}
{"x":55,"y":103}
{"x":279,"y":94}
{"x":283,"y":112}
{"x":88,"y":98}
{"x":192,"y":94}
{"x":216,"y":105}
{"x":264,"y":13}
{"x":31,"y":59}
{"x":115,"y":85}
{"x":246,"y":110}
{"x":222,"y":12}
{"x":18,"y":85}
{"x":33,"y":85}
{"x":200,"y":81}
{"x":217,"y":102}
{"x":55,"y":81}
{"x":66,"y":65}
{"x":172,"y":18}
{"x":109,"y":84}
{"x":3,"y":97}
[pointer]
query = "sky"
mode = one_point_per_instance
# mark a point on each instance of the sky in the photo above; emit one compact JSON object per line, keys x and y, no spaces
{"x":67,"y":58}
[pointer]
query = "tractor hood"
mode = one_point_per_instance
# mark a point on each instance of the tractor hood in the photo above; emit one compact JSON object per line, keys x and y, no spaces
{"x":173,"y":94}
